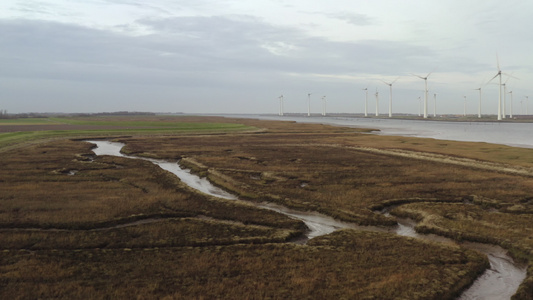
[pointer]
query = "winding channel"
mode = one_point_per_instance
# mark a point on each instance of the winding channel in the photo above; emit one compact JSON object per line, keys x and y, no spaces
{"x":500,"y":281}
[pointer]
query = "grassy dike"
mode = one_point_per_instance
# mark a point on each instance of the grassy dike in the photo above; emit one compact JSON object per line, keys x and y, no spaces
{"x":74,"y":225}
{"x":16,"y":132}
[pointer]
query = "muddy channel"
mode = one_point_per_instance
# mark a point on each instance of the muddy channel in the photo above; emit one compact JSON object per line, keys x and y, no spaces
{"x":500,"y":281}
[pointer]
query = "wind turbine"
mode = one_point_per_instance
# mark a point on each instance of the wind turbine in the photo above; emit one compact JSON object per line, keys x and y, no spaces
{"x":366,"y":101}
{"x":309,"y":104}
{"x":281,"y":105}
{"x":511,"y":106}
{"x":425,"y":93}
{"x":434,"y":105}
{"x":527,"y":105}
{"x":505,"y":93}
{"x":324,"y":105}
{"x":499,"y":74}
{"x":390,"y":95}
{"x":377,"y":103}
{"x":479,"y":106}
{"x":504,"y":99}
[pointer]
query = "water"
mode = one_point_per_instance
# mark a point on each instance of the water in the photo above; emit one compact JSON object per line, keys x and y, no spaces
{"x":499,"y":282}
{"x":511,"y":134}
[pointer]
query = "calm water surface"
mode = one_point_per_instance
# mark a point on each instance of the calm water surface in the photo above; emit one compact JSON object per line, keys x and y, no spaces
{"x":511,"y":134}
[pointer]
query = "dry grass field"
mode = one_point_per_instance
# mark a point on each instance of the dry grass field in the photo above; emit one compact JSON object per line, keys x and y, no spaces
{"x":73,"y":224}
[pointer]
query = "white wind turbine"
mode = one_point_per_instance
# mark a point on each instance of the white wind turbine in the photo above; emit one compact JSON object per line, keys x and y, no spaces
{"x":377,"y":103}
{"x":434,"y":105}
{"x":366,"y":101}
{"x":309,"y":104}
{"x":425,"y":93}
{"x":390,"y":95}
{"x":511,"y":105}
{"x":324,"y":105}
{"x":505,"y":93}
{"x":504,"y":98}
{"x":499,"y":74}
{"x":479,"y":106}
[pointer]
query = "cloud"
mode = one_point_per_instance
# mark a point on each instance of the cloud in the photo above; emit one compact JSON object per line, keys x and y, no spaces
{"x":354,"y":19}
{"x":213,"y":60}
{"x":191,"y":51}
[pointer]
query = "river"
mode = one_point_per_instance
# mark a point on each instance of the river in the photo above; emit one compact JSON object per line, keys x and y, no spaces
{"x":511,"y":134}
{"x":500,"y":281}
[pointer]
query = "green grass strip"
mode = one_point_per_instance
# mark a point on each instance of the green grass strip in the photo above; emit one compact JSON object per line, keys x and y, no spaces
{"x":13,"y":138}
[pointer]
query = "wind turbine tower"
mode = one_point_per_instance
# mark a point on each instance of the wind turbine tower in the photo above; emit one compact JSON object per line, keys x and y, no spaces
{"x":479,"y":106}
{"x":499,"y":74}
{"x":504,"y":102}
{"x":377,"y":103}
{"x":309,"y":104}
{"x":390,"y":95}
{"x":366,"y":101}
{"x":434,"y":105}
{"x":504,"y":99}
{"x":425,"y":93}
{"x":505,"y":93}
{"x":511,"y":106}
{"x":324,"y":106}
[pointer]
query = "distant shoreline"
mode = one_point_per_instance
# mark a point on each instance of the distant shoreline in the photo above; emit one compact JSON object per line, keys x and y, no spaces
{"x":443,"y":118}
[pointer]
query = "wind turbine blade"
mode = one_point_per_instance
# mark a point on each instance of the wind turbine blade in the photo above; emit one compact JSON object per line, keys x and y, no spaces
{"x":385,"y":82}
{"x":432,"y":71}
{"x":498,"y":61}
{"x":492,"y":78}
{"x":395,"y":80}
{"x":509,"y":76}
{"x":418,"y":76}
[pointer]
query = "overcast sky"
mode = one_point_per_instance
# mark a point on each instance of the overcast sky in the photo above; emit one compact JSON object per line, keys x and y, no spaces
{"x":207,"y":56}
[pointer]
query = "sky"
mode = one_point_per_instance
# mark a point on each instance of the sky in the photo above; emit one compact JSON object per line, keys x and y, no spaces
{"x":207,"y":56}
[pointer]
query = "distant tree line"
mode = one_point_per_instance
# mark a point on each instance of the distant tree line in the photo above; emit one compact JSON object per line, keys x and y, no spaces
{"x":117,"y":113}
{"x":5,"y":115}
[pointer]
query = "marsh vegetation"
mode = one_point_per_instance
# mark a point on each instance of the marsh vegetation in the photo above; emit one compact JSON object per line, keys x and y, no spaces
{"x":76,"y":224}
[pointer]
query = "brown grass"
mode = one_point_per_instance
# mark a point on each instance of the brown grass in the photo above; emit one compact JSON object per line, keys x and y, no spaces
{"x":305,"y":166}
{"x":38,"y":192}
{"x":164,"y":232}
{"x":346,"y":264}
{"x":319,"y":168}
